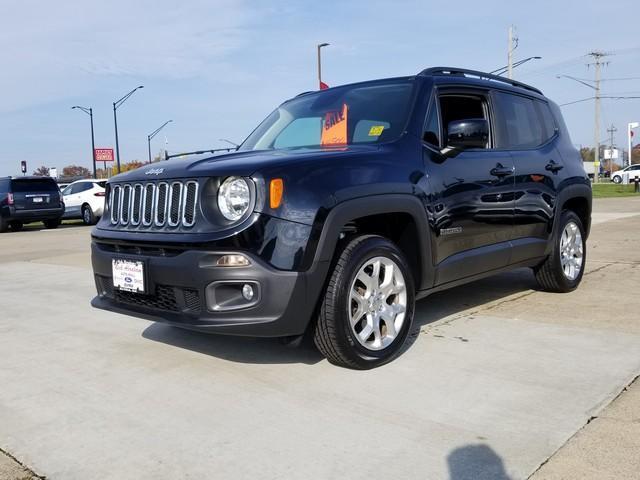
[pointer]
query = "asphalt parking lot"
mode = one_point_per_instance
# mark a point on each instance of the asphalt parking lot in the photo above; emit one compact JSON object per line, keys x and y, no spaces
{"x":499,"y":380}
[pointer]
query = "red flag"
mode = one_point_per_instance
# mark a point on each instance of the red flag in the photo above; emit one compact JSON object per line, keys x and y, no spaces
{"x":323,"y":86}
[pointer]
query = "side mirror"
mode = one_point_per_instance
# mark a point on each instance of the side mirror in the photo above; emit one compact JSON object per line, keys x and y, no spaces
{"x":469,"y":133}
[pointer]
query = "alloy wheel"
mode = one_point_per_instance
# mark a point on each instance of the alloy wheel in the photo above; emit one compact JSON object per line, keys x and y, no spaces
{"x":377,"y":303}
{"x":571,"y":251}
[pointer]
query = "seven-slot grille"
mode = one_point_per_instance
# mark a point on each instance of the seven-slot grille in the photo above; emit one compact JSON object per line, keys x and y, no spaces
{"x":162,"y":204}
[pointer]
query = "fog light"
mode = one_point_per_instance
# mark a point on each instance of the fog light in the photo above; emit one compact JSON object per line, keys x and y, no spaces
{"x":247,"y":292}
{"x":233,"y":261}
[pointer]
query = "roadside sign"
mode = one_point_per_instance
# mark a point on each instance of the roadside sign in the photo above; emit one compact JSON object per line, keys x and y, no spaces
{"x":53,"y":172}
{"x":23,"y":166}
{"x":104,"y":154}
{"x":611,"y":154}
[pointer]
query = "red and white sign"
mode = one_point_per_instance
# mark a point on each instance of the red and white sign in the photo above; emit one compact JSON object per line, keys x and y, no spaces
{"x":104,"y":154}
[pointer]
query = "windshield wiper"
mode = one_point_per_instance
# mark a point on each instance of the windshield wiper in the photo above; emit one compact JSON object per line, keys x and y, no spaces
{"x":199,"y":152}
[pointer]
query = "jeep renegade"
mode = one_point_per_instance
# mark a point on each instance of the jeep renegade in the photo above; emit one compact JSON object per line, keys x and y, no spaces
{"x":346,"y":205}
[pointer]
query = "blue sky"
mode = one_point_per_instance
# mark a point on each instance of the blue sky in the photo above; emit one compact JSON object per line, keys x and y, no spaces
{"x":218,"y":67}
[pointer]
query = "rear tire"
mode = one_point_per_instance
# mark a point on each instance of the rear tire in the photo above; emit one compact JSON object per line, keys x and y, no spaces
{"x":50,"y":224}
{"x":16,"y":226}
{"x":368,"y":305}
{"x":563,"y":269}
{"x":4,"y":226}
{"x":88,"y":218}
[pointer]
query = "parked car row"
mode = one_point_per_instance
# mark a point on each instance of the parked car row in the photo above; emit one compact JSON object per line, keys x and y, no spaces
{"x":26,"y":200}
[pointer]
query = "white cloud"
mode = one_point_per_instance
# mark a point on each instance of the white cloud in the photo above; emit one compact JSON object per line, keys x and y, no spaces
{"x":55,"y":49}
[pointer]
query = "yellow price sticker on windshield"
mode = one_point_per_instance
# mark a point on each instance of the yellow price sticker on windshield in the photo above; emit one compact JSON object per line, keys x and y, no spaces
{"x":376,"y":130}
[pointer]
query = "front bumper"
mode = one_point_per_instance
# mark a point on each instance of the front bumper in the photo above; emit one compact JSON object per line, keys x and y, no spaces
{"x":176,"y":291}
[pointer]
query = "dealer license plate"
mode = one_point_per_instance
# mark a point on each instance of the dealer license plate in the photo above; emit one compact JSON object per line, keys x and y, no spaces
{"x":128,"y":275}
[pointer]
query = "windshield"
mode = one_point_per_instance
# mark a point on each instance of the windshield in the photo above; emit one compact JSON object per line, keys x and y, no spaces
{"x":357,"y":114}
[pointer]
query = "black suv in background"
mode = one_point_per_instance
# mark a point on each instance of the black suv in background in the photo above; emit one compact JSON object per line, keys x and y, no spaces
{"x":29,"y":199}
{"x":346,"y":205}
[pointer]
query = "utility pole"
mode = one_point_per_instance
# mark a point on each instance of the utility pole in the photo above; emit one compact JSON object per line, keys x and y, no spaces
{"x":597,"y":63}
{"x":513,"y":44}
{"x":611,"y":131}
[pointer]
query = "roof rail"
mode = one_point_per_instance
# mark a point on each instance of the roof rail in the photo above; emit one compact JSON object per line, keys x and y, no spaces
{"x":475,"y":73}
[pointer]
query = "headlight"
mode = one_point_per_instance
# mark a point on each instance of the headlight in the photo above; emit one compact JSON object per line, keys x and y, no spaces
{"x":234,"y":198}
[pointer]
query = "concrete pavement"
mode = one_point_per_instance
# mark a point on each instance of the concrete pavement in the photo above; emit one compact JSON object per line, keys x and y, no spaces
{"x":495,"y":381}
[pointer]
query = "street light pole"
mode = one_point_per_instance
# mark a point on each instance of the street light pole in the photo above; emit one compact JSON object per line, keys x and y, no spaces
{"x":117,"y":104}
{"x":89,"y":111}
{"x":153,"y":134}
{"x":596,"y":130}
{"x":320,"y":84}
{"x":630,"y":127}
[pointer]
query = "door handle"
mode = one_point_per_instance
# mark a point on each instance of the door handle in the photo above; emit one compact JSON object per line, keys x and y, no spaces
{"x":500,"y":171}
{"x":553,"y":166}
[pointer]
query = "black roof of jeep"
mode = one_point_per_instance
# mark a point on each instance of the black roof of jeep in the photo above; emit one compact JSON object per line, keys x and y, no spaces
{"x":445,"y":75}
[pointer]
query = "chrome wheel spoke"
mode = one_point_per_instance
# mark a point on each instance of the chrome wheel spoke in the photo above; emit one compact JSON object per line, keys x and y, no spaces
{"x":377,"y":303}
{"x":571,"y":251}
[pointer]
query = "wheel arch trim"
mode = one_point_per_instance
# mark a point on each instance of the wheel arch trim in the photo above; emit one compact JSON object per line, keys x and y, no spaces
{"x":355,"y":209}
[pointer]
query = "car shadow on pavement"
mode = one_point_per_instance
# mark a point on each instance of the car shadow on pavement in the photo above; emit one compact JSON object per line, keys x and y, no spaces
{"x":272,"y":351}
{"x":469,"y":297}
{"x":232,"y":348}
{"x":476,"y":462}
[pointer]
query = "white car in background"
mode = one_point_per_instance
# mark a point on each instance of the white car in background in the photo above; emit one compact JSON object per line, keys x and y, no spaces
{"x":84,"y":199}
{"x":632,"y":170}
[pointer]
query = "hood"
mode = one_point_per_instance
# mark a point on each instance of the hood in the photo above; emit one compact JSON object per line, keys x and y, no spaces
{"x":242,"y":163}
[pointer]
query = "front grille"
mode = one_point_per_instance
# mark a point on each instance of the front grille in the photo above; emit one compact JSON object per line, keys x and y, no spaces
{"x":165,"y":297}
{"x":147,"y":205}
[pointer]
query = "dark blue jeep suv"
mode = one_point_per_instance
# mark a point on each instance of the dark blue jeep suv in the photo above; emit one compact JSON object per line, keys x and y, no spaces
{"x":346,"y":205}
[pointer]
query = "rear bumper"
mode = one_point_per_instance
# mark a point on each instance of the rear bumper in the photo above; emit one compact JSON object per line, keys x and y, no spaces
{"x":11,"y":213}
{"x":177,"y":293}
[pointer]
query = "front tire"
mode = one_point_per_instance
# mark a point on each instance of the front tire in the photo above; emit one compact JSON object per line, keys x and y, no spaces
{"x":368,"y":306}
{"x":563,"y":269}
{"x":16,"y":226}
{"x":617,"y":179}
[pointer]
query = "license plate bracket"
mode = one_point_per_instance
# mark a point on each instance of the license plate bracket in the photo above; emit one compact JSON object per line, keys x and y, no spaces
{"x":128,"y":275}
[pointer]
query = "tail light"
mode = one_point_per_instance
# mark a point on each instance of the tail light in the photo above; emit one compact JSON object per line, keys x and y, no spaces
{"x":99,"y":194}
{"x":10,"y":198}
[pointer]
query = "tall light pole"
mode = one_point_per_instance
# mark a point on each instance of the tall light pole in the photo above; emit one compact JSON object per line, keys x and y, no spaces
{"x":153,"y":134}
{"x":321,"y":85}
{"x":116,"y":105}
{"x":89,"y":111}
{"x":596,"y":129}
{"x":630,"y":127}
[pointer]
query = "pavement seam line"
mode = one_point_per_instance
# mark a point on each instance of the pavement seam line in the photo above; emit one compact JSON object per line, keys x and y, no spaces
{"x":25,"y":467}
{"x":427,"y":328}
{"x":624,"y":389}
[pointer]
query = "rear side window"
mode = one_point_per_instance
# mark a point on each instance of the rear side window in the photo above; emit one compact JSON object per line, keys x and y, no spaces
{"x":519,"y":123}
{"x":33,"y":185}
{"x":549,"y":126}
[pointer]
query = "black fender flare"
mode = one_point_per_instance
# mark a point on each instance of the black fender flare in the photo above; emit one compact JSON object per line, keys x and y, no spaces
{"x":570,"y":192}
{"x":350,"y":210}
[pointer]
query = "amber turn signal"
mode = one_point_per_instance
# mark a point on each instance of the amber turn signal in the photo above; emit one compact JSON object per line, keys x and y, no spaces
{"x":276,"y":189}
